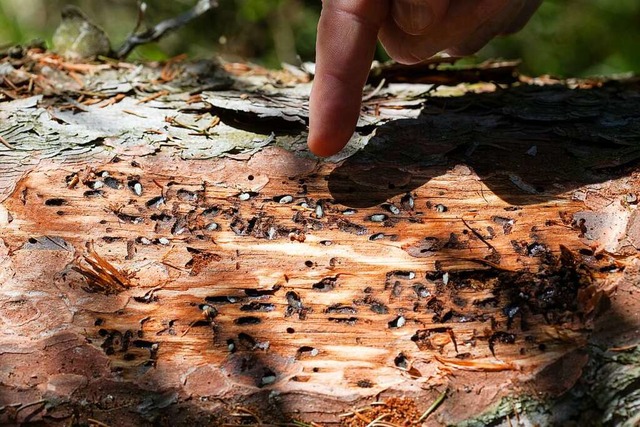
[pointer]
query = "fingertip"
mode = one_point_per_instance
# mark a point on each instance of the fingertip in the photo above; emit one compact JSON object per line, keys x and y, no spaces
{"x":321,"y":147}
{"x":347,"y":33}
{"x":325,"y":141}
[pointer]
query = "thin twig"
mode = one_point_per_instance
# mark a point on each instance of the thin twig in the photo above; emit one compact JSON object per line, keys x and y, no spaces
{"x":433,"y":406}
{"x":96,"y":422}
{"x":478,"y":235}
{"x":160,"y":29}
{"x":6,"y":143}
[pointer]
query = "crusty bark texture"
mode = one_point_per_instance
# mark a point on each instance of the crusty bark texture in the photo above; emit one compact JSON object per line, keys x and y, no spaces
{"x":171,"y":254}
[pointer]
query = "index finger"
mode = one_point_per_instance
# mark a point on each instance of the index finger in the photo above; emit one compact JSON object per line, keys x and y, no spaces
{"x":346,"y":42}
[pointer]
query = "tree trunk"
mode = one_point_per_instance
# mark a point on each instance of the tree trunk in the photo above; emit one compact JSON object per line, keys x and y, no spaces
{"x":171,"y":253}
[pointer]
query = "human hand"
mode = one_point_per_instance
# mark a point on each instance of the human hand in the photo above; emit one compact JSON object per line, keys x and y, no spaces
{"x":410,"y":31}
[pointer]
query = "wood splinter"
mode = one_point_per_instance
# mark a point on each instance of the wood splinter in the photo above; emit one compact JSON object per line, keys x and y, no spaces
{"x":101,"y":276}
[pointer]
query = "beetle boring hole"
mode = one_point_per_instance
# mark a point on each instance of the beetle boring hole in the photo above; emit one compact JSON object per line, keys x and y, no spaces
{"x":221,"y":299}
{"x":365,"y":383}
{"x":268,"y":378}
{"x":290,"y":330}
{"x":98,"y":322}
{"x":308,"y":263}
{"x":326,"y":284}
{"x":258,"y":306}
{"x":250,"y":177}
{"x":401,"y":361}
{"x":55,"y":202}
{"x":247,"y":320}
{"x":398,"y":322}
{"x":306,"y":350}
{"x":246,"y":340}
{"x":32,"y":240}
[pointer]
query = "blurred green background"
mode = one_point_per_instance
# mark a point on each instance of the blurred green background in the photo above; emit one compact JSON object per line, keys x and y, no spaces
{"x":565,"y":38}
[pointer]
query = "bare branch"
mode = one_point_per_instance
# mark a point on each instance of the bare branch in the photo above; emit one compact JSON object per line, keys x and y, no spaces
{"x":160,"y":29}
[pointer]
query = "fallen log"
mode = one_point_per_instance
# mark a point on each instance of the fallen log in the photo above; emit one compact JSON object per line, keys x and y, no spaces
{"x":171,"y":253}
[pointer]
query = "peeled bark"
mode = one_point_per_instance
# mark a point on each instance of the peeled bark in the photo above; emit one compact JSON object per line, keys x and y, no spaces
{"x":172,"y":254}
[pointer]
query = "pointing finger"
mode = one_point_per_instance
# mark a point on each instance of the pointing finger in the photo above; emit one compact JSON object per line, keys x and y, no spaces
{"x":347,"y":34}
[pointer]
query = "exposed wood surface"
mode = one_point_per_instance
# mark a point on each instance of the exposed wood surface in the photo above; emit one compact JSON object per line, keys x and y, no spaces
{"x":448,"y":254}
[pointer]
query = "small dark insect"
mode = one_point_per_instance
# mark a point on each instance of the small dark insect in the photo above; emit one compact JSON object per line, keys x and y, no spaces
{"x":401,"y":361}
{"x":258,"y":306}
{"x":341,"y":309}
{"x":246,"y":195}
{"x":293,"y":299}
{"x":306,"y":350}
{"x":365,"y":384}
{"x":93,"y":193}
{"x":378,"y":218}
{"x":147,"y":298}
{"x":222,"y":299}
{"x":144,"y":344}
{"x":379,"y":308}
{"x":114,"y":183}
{"x":143,"y":240}
{"x":187,"y":196}
{"x":407,"y":201}
{"x":405,"y":275}
{"x":129,"y":218}
{"x":94,"y":185}
{"x":208,"y":312}
{"x":212,"y":211}
{"x":421,"y":291}
{"x":284,"y":199}
{"x":212,"y":226}
{"x":179,"y":226}
{"x":392,"y":208}
{"x":326,"y":284}
{"x":398,"y":322}
{"x":351,"y":321}
{"x":268,"y":378}
{"x":155,"y":202}
{"x":135,"y":187}
{"x":160,"y":217}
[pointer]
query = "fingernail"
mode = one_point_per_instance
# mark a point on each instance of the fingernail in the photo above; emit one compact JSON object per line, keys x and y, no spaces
{"x":412,"y":16}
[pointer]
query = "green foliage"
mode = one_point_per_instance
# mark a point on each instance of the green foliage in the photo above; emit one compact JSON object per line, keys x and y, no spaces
{"x":576,"y":38}
{"x":565,"y":37}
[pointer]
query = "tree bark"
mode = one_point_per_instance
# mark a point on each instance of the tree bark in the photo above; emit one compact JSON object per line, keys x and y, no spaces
{"x":171,"y":253}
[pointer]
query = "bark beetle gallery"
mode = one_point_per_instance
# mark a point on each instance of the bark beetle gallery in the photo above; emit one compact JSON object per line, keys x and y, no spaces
{"x":172,"y":254}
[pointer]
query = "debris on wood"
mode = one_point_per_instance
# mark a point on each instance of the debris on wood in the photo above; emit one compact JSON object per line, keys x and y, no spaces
{"x":101,"y":275}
